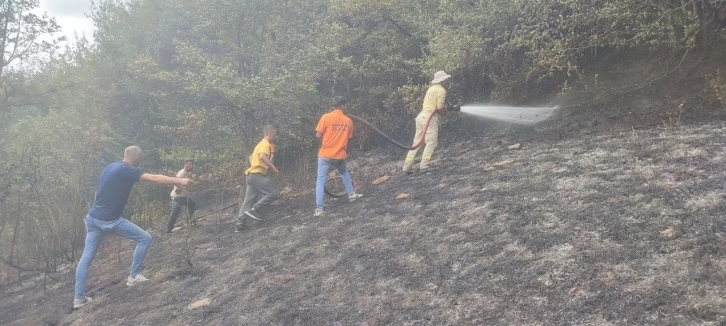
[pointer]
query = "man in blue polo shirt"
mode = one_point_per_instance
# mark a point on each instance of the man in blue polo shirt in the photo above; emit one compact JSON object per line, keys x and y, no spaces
{"x":114,"y":188}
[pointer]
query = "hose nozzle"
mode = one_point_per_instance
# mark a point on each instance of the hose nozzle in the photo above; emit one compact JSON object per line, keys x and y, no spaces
{"x":454,"y":105}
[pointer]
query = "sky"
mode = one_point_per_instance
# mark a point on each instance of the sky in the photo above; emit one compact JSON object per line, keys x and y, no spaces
{"x":71,"y":16}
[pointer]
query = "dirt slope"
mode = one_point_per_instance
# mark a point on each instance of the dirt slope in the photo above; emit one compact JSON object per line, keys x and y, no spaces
{"x":619,"y":229}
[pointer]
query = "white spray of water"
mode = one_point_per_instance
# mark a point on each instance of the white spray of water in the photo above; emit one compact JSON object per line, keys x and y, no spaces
{"x":511,"y":114}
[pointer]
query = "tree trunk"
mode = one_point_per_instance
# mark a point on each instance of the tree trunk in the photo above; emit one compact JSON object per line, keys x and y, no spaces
{"x":15,"y":238}
{"x":4,"y":34}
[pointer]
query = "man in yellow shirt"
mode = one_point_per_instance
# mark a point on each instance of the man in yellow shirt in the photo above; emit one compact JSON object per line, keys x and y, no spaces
{"x":434,"y":102}
{"x":258,"y":184}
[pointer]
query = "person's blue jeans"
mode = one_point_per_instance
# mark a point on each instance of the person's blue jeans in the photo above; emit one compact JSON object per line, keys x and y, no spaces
{"x":96,"y":230}
{"x":324,"y":165}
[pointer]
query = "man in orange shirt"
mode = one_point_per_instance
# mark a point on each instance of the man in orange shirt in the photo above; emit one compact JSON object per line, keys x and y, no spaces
{"x":334,"y":129}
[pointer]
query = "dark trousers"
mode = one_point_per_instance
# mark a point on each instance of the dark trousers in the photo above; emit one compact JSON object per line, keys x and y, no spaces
{"x":258,"y":195}
{"x":177,"y":203}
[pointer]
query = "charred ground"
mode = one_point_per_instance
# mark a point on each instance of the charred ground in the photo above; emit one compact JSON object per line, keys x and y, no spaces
{"x":620,"y":229}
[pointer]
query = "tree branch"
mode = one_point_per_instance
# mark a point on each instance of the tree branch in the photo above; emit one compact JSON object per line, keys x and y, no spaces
{"x":402,"y":30}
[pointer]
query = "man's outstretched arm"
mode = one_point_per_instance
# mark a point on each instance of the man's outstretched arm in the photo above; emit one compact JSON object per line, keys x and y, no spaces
{"x":164,"y":180}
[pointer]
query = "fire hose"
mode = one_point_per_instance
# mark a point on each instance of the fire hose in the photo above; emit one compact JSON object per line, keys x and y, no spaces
{"x":449,"y":107}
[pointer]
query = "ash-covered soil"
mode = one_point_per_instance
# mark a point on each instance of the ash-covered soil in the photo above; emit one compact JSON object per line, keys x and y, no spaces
{"x":617,"y":229}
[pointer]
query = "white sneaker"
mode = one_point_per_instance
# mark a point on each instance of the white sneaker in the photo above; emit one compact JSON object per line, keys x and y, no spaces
{"x":319,"y":212}
{"x":136,"y":279}
{"x":80,"y":302}
{"x":353,"y":197}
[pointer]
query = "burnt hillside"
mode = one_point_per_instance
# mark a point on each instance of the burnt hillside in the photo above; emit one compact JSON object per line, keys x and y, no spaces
{"x":611,"y":229}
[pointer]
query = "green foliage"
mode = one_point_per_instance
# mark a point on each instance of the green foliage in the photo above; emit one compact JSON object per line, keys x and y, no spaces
{"x":54,"y":163}
{"x":25,"y":37}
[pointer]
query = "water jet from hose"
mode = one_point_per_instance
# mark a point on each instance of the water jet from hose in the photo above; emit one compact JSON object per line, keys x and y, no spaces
{"x":511,"y":114}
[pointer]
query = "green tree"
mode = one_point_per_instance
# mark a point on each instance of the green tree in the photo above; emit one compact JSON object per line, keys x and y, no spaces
{"x":24,"y":35}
